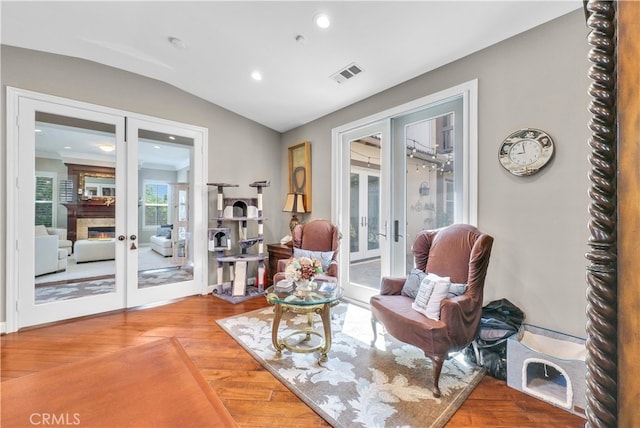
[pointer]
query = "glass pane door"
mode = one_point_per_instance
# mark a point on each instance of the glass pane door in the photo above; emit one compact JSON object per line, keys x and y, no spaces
{"x":364,"y":212}
{"x":69,"y":264}
{"x":428,"y":175}
{"x":161,"y":162}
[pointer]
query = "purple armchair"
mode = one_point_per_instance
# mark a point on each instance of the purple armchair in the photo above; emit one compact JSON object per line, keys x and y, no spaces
{"x":459,"y":251}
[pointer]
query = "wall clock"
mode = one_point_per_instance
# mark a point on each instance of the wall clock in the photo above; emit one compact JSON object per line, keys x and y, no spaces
{"x":526,"y":151}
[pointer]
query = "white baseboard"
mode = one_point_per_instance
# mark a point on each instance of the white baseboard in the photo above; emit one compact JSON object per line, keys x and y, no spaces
{"x":3,"y":327}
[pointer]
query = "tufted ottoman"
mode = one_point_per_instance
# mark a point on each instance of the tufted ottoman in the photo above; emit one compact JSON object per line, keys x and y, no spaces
{"x":92,"y":250}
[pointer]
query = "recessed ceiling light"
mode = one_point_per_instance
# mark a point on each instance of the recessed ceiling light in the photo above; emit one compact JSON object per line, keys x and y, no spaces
{"x":156,"y":147}
{"x":107,"y":147}
{"x":67,"y":147}
{"x":37,"y":131}
{"x":322,"y":20}
{"x":256,"y":75}
{"x":171,"y":137}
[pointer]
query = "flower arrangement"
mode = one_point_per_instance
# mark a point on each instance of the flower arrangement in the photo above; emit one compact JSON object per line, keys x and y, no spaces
{"x":302,"y":268}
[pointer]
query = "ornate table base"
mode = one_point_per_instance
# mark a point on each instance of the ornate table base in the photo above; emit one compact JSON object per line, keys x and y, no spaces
{"x":324,"y":310}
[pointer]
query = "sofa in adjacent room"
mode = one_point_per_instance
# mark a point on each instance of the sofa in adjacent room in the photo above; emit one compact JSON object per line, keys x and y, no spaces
{"x":161,"y":241}
{"x":48,"y":257}
{"x":63,"y":242}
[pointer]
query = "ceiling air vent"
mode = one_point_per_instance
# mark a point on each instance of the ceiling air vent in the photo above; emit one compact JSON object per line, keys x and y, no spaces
{"x":347,"y":73}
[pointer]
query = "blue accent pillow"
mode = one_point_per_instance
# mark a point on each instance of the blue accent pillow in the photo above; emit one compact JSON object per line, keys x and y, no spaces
{"x":164,"y":231}
{"x":412,"y":283}
{"x":456,"y":290}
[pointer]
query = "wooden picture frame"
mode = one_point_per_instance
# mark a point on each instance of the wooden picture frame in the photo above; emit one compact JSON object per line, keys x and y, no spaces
{"x":300,"y":171}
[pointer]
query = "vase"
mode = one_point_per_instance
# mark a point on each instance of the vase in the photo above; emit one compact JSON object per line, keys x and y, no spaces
{"x":303,"y":284}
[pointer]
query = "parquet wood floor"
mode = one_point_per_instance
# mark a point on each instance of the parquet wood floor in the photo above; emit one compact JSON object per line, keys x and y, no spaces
{"x":251,"y":394}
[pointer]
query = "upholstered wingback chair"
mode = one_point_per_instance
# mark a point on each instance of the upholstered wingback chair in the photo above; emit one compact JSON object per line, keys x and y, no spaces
{"x":460,"y":252}
{"x":319,"y":239}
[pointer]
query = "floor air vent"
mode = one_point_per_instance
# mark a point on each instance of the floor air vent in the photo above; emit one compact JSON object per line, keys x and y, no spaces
{"x":347,"y":73}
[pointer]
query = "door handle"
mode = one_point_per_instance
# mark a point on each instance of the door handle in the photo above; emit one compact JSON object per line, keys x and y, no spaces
{"x":396,"y":232}
{"x":121,"y":237}
{"x":133,"y":237}
{"x":385,"y":231}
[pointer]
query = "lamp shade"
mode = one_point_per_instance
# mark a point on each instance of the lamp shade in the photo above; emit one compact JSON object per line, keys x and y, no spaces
{"x":294,"y":203}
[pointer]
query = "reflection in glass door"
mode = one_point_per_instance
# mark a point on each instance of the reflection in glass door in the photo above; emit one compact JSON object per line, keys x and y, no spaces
{"x":163,"y":205}
{"x":428,"y":183}
{"x":364,"y":212}
{"x":75,"y":195}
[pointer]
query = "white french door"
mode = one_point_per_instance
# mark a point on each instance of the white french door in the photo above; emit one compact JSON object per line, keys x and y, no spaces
{"x":36,"y":255}
{"x":180,"y":176}
{"x":365,"y":213}
{"x":363,"y":196}
{"x":428,"y":177}
{"x":88,"y":251}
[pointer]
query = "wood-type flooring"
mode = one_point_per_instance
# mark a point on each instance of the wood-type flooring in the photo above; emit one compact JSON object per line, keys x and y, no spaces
{"x":251,"y":394}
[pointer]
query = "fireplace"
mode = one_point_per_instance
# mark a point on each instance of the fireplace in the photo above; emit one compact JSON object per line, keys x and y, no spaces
{"x":100,"y":225}
{"x":98,"y":232}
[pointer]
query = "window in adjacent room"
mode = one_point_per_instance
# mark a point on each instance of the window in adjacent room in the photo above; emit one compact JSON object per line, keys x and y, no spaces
{"x":156,"y":204}
{"x":45,"y":214}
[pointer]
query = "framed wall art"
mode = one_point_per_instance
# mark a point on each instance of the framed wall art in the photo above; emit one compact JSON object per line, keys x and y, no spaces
{"x":300,"y":171}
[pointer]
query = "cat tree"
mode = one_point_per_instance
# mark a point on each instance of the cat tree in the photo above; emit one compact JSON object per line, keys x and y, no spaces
{"x":241,"y":211}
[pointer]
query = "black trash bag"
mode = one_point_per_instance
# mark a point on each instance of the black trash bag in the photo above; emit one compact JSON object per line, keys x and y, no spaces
{"x":500,"y":320}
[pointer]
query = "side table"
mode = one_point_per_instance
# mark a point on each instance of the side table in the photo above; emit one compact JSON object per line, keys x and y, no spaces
{"x":276,"y":252}
{"x":315,"y":301}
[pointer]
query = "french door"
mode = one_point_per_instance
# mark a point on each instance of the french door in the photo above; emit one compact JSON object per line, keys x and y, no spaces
{"x":365,"y":214}
{"x":425,"y":169}
{"x":77,"y":209}
{"x":162,"y":160}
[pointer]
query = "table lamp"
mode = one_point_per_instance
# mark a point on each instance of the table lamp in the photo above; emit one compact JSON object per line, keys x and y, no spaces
{"x":294,"y":205}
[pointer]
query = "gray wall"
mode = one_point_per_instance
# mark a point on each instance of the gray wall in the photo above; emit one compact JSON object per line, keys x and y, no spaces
{"x":231,"y":137}
{"x":537,"y":79}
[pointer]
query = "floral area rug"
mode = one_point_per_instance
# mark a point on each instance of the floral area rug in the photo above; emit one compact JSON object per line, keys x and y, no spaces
{"x":360,"y":385}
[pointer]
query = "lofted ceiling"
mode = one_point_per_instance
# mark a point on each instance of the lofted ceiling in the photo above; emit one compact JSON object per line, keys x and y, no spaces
{"x":219,"y":44}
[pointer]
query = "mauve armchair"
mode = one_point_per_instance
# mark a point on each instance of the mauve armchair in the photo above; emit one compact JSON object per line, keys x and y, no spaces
{"x":460,"y":252}
{"x":320,"y":236}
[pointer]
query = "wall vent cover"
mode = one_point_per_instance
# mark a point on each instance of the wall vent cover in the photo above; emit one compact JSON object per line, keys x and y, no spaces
{"x":347,"y":73}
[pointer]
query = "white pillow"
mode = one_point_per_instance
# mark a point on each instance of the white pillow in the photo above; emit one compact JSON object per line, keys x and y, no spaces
{"x":433,"y":289}
{"x":323,"y":256}
{"x":40,"y":230}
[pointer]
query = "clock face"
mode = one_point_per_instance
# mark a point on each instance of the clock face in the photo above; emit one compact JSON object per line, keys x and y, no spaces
{"x":525,"y":151}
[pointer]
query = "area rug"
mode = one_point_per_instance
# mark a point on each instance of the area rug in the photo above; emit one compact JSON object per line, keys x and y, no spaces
{"x":46,"y":293}
{"x":359,"y":385}
{"x":74,"y":290}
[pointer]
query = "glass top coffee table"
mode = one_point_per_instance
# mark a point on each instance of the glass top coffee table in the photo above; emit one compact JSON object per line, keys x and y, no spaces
{"x":319,"y":300}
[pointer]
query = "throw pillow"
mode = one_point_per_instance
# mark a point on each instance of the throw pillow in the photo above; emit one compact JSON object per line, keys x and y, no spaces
{"x":412,"y":283}
{"x":40,"y":230}
{"x":457,"y":290}
{"x":433,"y":289}
{"x":324,"y":256}
{"x":422,"y":296}
{"x":164,"y":231}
